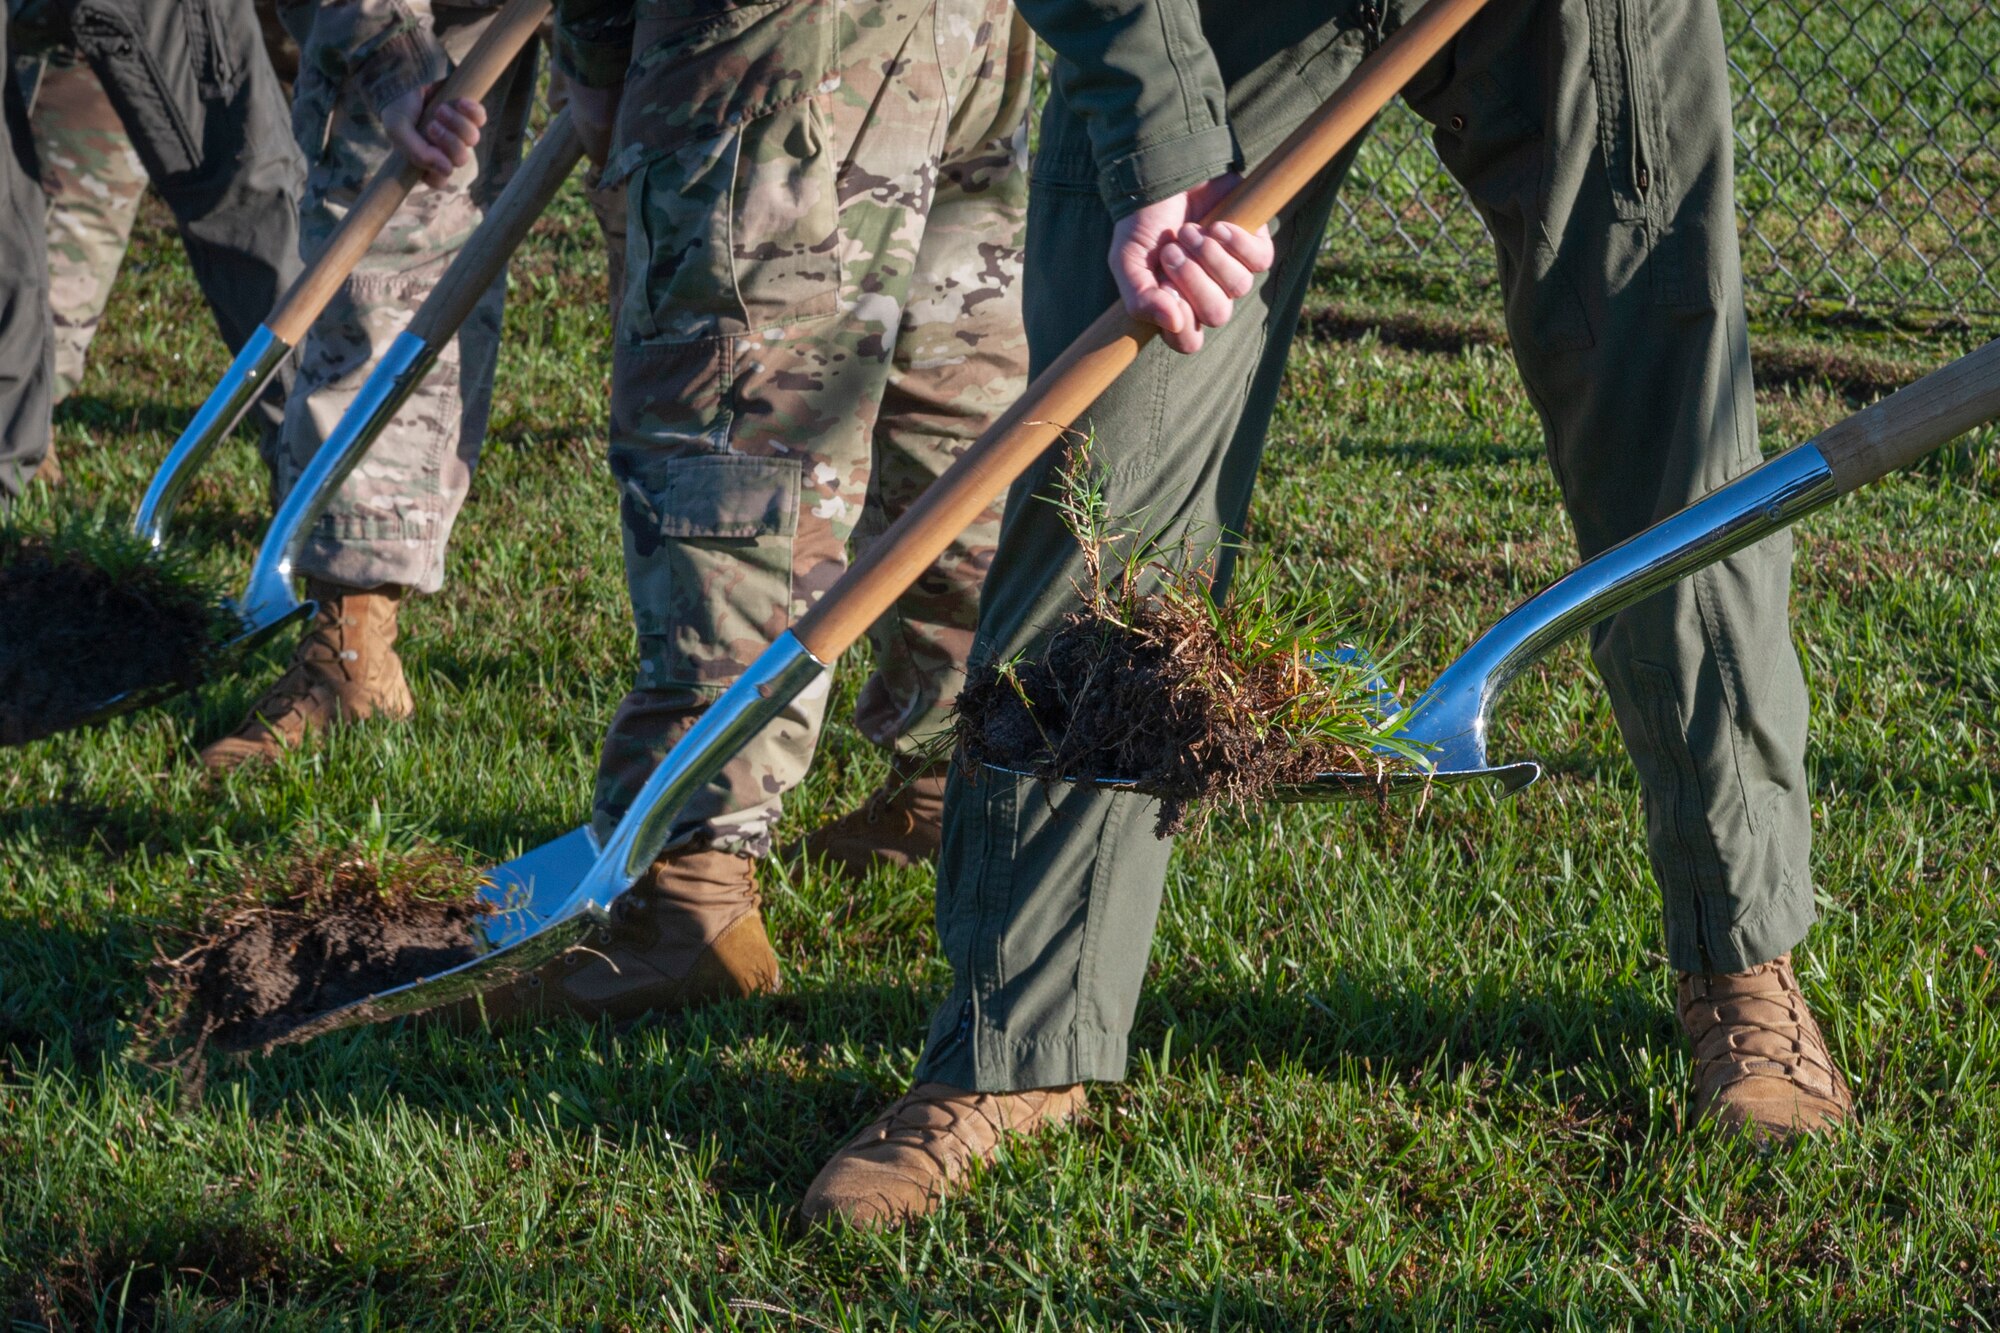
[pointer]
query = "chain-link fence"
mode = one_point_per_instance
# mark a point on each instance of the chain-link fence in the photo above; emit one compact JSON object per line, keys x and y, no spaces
{"x":1867,"y":163}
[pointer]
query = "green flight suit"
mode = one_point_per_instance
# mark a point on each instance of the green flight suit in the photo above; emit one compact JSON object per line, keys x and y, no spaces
{"x":1595,"y":138}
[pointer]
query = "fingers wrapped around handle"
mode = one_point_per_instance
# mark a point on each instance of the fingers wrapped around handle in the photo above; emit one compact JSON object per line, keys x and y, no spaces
{"x":511,"y":30}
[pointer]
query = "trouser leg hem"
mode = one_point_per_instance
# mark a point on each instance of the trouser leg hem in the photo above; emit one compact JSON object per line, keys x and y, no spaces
{"x":994,"y":1063}
{"x":1756,"y":939}
{"x":404,"y":561}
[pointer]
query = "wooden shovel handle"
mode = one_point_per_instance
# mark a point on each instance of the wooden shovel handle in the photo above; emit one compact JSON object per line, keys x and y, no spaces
{"x":512,"y":28}
{"x":1914,"y":420}
{"x":499,"y":234}
{"x":1061,"y":393}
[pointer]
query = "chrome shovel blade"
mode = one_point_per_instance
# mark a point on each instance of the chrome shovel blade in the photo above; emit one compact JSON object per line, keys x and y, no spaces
{"x":1380,"y":697}
{"x":1449,"y":723}
{"x":532,"y":890}
{"x":537,"y":916}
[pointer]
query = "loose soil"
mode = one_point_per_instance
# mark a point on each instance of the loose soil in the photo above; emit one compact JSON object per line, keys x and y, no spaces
{"x":346,"y":928}
{"x":1159,"y":700}
{"x":74,"y":634}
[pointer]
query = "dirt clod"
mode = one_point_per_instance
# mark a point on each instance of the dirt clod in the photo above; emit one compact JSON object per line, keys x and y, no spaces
{"x":1155,"y":682}
{"x":347,"y":927}
{"x":1159,"y":702}
{"x":84,"y":622}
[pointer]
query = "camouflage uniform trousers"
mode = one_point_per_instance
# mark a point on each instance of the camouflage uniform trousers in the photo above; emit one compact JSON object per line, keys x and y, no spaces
{"x":94,"y":180}
{"x":392,"y":518}
{"x":607,"y":205}
{"x":822,"y":311}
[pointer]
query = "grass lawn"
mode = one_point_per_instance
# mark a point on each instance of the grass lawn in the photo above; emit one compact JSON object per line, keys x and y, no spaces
{"x":1406,"y":1070}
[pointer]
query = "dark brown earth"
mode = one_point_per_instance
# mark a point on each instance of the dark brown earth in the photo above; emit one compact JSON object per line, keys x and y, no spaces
{"x":1160,"y":702}
{"x":349,"y":927}
{"x":73,"y":636}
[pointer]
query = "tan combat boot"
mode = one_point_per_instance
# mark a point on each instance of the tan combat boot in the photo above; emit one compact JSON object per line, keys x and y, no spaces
{"x":901,"y":824}
{"x":923,"y":1147}
{"x":687,"y":934}
{"x":344,"y":670}
{"x":1759,"y":1058}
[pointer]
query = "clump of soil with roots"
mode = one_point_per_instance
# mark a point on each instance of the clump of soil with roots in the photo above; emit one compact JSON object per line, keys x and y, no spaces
{"x":325,"y":930}
{"x":1154,"y":683}
{"x":91,"y":613}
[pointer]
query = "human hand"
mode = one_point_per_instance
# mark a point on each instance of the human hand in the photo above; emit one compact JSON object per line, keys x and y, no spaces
{"x":446,"y":140}
{"x":1182,"y":275}
{"x":593,"y":115}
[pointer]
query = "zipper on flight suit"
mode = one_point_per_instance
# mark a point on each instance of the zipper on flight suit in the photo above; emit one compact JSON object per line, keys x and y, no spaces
{"x":1635,"y":52}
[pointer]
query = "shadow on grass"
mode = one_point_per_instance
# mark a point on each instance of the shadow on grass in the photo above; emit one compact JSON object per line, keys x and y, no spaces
{"x":203,"y":1259}
{"x":1404,"y":1027}
{"x":68,"y":990}
{"x":779,"y":1082}
{"x":65,"y":990}
{"x":134,"y":413}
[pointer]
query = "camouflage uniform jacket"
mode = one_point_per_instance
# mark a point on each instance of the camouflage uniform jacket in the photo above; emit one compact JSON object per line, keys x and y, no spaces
{"x":1138,"y":72}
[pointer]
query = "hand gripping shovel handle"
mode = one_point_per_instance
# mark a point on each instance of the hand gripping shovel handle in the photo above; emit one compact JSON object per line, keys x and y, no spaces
{"x":512,"y":28}
{"x":268,"y":601}
{"x":1057,"y":397}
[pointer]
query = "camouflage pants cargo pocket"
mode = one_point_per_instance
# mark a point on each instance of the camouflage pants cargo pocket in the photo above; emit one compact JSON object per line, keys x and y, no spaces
{"x":825,"y":204}
{"x":735,"y":233}
{"x":708,"y":561}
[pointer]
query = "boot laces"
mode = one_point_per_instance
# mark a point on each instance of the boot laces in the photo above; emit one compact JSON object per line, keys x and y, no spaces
{"x":321,"y":650}
{"x":946,"y":1145}
{"x":1761,"y":1026}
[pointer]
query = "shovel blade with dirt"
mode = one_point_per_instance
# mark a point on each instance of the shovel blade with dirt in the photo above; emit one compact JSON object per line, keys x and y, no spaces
{"x":1451,"y":720}
{"x":262,"y":612}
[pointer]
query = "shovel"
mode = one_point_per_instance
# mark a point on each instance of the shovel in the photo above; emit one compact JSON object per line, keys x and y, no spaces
{"x":268,"y":602}
{"x":553,"y":897}
{"x":302,"y":302}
